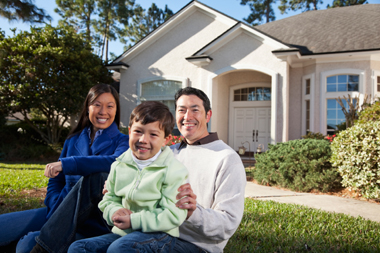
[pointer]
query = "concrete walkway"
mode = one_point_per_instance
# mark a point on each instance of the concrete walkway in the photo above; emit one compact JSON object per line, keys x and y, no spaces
{"x":328,"y":203}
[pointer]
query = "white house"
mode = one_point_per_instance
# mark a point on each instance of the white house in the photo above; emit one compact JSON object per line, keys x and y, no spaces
{"x":267,"y":84}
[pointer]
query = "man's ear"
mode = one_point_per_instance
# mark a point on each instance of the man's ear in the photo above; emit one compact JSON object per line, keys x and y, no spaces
{"x":208,"y":116}
{"x":129,"y":130}
{"x":167,"y":139}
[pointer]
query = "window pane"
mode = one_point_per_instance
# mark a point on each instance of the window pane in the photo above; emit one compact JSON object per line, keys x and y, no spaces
{"x":244,"y":97}
{"x":266,"y":96}
{"x":353,"y":86}
{"x":353,"y":78}
{"x":378,"y":88}
{"x":236,"y":92}
{"x":331,"y":114}
{"x":331,"y":124}
{"x":331,"y":103}
{"x":252,"y":89}
{"x":340,"y":114}
{"x":236,"y":97}
{"x":331,"y":79}
{"x":342,"y":79}
{"x":166,"y":88}
{"x":244,"y":91}
{"x":331,"y":88}
{"x":342,"y":87}
{"x":251,"y":96}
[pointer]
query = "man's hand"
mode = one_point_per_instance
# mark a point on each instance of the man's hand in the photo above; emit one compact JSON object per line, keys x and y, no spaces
{"x":187,"y":199}
{"x":105,"y":188}
{"x":121,"y":218}
{"x":53,"y":169}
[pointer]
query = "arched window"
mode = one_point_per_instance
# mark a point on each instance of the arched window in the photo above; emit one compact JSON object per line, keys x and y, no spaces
{"x":253,"y":94}
{"x":162,"y":91}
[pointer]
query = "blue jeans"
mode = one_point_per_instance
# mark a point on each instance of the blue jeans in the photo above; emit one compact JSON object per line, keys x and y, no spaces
{"x":23,"y":226}
{"x":134,"y":242}
{"x":77,"y":215}
{"x":183,"y":246}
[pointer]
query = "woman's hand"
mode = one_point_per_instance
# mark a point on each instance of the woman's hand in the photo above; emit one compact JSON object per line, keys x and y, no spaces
{"x":187,"y":199}
{"x":53,"y":169}
{"x":121,"y":218}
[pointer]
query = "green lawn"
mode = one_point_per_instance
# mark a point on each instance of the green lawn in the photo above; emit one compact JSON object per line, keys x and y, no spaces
{"x":267,"y":226}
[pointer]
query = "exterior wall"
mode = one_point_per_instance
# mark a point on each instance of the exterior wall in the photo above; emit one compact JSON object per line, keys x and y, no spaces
{"x":165,"y":58}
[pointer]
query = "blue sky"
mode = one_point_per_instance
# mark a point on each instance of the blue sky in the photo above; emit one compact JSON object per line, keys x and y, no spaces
{"x":229,"y":7}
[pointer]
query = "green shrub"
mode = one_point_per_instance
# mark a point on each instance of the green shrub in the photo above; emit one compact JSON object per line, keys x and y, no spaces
{"x":371,"y":113}
{"x":300,"y":165}
{"x":312,"y":135}
{"x":20,"y":142}
{"x":356,"y":155}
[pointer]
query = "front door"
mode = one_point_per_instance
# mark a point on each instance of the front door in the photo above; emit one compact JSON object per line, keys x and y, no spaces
{"x":251,"y":125}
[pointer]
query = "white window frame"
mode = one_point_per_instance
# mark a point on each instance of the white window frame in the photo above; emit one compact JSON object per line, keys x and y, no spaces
{"x":332,"y":95}
{"x":310,"y":97}
{"x":375,"y":94}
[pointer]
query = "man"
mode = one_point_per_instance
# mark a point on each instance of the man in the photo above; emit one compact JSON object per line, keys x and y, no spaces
{"x":216,"y":176}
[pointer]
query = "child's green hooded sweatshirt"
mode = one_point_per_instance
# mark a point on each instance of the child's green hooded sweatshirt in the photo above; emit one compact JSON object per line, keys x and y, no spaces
{"x":150,"y":193}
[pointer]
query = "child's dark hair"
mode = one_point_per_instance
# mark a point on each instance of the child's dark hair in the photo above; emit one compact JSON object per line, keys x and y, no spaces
{"x":152,"y":111}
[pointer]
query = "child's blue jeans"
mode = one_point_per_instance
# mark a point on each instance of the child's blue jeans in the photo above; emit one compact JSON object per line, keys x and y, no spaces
{"x":133,"y":242}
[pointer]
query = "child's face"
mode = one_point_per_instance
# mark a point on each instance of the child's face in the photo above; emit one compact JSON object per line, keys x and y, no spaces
{"x":146,"y":140}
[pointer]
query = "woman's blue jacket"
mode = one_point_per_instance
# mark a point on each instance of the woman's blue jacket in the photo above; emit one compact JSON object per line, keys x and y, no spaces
{"x":80,"y":159}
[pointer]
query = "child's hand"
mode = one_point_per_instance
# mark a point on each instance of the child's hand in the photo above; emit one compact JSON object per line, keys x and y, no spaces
{"x":121,"y":218}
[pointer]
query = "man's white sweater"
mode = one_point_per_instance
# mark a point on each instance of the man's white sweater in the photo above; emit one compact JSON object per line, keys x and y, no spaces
{"x":217,"y":177}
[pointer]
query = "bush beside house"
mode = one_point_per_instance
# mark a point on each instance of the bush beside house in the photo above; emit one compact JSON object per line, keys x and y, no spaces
{"x":300,"y":165}
{"x":356,"y":155}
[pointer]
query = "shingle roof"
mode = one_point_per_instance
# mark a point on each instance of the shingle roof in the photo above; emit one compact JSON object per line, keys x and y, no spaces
{"x":344,"y":29}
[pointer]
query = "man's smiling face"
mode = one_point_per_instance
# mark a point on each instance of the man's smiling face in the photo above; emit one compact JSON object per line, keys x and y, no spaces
{"x":192,"y":118}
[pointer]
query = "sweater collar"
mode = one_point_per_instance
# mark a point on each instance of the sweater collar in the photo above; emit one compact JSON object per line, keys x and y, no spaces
{"x":209,"y":138}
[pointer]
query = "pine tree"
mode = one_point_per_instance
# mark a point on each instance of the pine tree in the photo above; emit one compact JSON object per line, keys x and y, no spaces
{"x":261,"y":10}
{"x":341,"y":3}
{"x":144,"y":22}
{"x":23,"y":10}
{"x":294,"y":5}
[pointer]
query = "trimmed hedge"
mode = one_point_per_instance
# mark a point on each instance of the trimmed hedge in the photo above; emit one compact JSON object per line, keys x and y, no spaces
{"x":356,"y":155}
{"x":300,"y":165}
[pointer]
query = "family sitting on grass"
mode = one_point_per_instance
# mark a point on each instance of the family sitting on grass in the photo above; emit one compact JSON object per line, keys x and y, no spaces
{"x":148,"y":206}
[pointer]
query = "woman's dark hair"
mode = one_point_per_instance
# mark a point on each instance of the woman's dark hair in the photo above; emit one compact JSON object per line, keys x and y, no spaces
{"x":152,"y":111}
{"x":92,"y":95}
{"x":193,"y":91}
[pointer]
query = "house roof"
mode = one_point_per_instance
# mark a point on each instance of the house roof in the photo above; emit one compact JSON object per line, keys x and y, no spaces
{"x":330,"y":30}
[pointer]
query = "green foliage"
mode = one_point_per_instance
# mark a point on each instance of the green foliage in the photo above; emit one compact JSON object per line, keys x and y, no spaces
{"x":268,"y":226}
{"x":312,"y":135}
{"x":294,"y":5}
{"x":22,"y":10}
{"x":341,"y":3}
{"x":370,"y":113}
{"x":49,"y":69}
{"x":300,"y":165}
{"x":262,"y":11}
{"x":21,"y":142}
{"x":356,"y":155}
{"x":143,"y":22}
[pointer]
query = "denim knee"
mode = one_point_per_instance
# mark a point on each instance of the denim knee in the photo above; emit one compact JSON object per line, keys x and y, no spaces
{"x":143,"y":242}
{"x":27,"y":242}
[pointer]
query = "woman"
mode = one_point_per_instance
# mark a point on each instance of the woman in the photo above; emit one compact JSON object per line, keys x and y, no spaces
{"x":90,"y":148}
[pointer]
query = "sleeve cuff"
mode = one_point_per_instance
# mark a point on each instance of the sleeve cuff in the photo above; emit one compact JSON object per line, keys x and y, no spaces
{"x":69,"y":166}
{"x":136,"y":221}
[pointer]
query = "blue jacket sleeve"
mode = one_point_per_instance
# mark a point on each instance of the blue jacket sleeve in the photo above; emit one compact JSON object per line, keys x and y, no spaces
{"x":56,"y":185}
{"x":85,"y":165}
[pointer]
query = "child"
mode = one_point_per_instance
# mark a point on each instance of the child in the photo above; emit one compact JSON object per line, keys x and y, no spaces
{"x":142,"y":188}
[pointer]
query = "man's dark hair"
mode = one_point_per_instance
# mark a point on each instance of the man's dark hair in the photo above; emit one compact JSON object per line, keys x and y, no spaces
{"x":152,"y":111}
{"x":193,"y":91}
